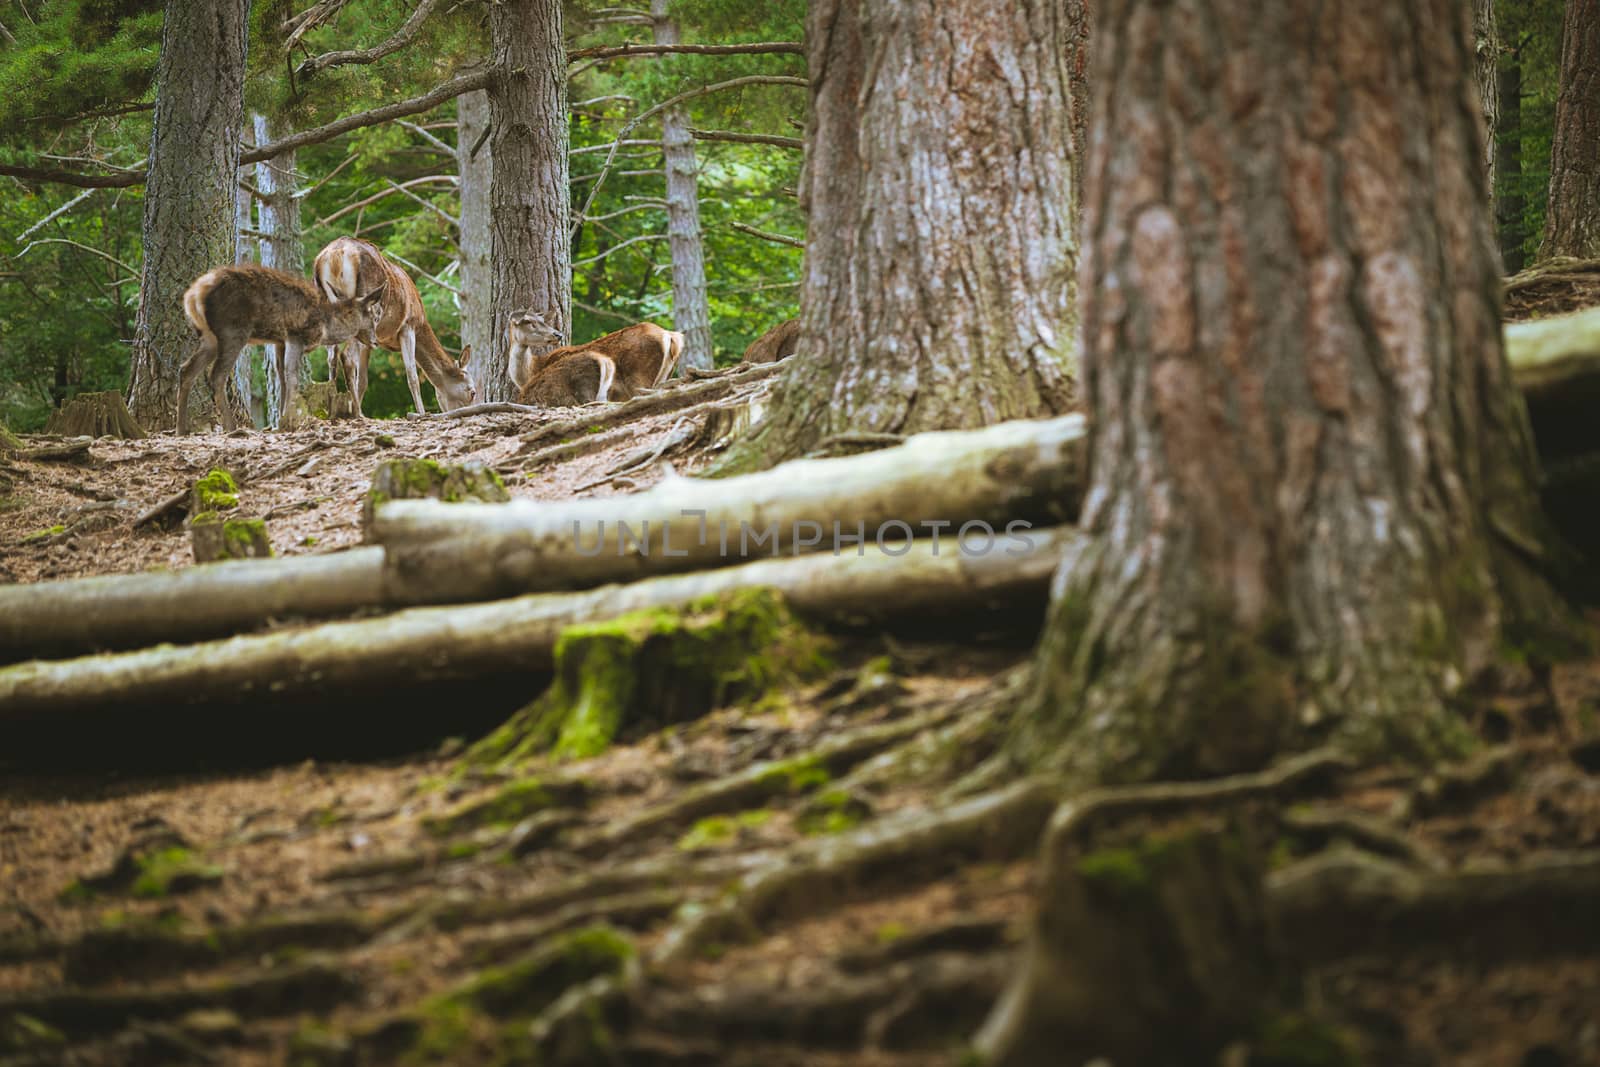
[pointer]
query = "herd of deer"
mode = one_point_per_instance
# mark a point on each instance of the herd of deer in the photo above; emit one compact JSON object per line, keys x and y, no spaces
{"x":360,"y":296}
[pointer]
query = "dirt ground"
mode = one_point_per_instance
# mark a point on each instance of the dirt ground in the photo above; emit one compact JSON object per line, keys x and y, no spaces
{"x":340,"y":913}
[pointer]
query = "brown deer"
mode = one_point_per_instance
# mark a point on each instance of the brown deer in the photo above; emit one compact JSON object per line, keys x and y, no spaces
{"x":643,"y":354}
{"x":777,"y":343}
{"x":348,"y":265}
{"x":243,"y":304}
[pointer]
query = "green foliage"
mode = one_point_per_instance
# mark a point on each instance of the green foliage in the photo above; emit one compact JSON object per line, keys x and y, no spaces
{"x":76,"y":56}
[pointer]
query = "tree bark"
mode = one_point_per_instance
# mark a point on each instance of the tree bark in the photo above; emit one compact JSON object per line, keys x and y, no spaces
{"x":1572,"y":217}
{"x":474,"y":170}
{"x":245,"y":252}
{"x":1510,"y":202}
{"x":938,"y":288}
{"x":691,"y":311}
{"x":281,"y":247}
{"x":1486,"y":49}
{"x":530,"y":250}
{"x":1313,"y":488}
{"x":189,"y":194}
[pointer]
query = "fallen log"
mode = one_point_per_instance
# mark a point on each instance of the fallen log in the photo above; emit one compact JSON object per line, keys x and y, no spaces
{"x":989,"y":484}
{"x":1549,"y":353}
{"x":425,"y":645}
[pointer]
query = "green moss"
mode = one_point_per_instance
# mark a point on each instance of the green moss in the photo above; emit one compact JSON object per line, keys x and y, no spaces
{"x":833,"y":811}
{"x":241,"y":534}
{"x":890,"y":932}
{"x":1296,"y":1041}
{"x":1120,"y":870}
{"x":40,"y":535}
{"x":75,"y":892}
{"x":171,"y":870}
{"x":661,"y":665}
{"x":795,"y":775}
{"x":309,"y":540}
{"x":384,"y":440}
{"x":463,"y":850}
{"x":217,"y":491}
{"x":22,"y":1032}
{"x":528,"y":986}
{"x":715,"y":830}
{"x":595,"y":429}
{"x":509,"y":804}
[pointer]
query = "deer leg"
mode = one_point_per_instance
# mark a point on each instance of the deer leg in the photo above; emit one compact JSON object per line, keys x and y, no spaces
{"x":221,"y":372}
{"x":408,"y":355}
{"x":289,"y":414}
{"x":355,"y":370}
{"x":203,"y":357}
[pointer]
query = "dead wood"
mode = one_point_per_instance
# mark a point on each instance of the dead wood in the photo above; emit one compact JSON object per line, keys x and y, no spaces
{"x":69,"y":451}
{"x":463,"y":643}
{"x":95,"y":415}
{"x":1005,"y":476}
{"x":493,"y":407}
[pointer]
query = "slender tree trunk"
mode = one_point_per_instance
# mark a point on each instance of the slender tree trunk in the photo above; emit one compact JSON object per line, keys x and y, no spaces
{"x":189,"y":194}
{"x":691,"y":313}
{"x":244,"y":221}
{"x":1510,"y":204}
{"x":1312,"y":483}
{"x":530,"y":250}
{"x":938,"y":289}
{"x":474,"y":170}
{"x":1486,"y":47}
{"x":1572,"y":218}
{"x":282,"y":247}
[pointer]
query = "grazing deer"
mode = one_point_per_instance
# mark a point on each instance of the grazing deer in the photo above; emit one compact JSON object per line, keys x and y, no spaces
{"x":243,"y":304}
{"x":348,"y":265}
{"x":644,"y":354}
{"x":777,"y":343}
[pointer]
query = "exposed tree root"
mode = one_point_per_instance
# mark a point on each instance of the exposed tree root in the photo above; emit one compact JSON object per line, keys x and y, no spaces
{"x":625,"y":910}
{"x":132,"y":951}
{"x":493,"y":407}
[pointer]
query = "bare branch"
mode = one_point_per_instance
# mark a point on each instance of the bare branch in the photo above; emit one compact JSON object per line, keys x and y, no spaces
{"x":655,"y":206}
{"x":63,"y":241}
{"x":57,"y":213}
{"x":434,"y":278}
{"x":402,"y":37}
{"x":747,"y":138}
{"x":793,"y":48}
{"x":602,"y":147}
{"x":426,"y":135}
{"x":430,"y":205}
{"x":603,"y":312}
{"x":118,"y":179}
{"x":309,"y":19}
{"x":618,"y":248}
{"x":765,"y":235}
{"x":431,"y":179}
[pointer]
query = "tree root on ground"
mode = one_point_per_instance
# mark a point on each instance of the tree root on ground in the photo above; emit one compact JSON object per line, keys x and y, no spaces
{"x":629,"y":911}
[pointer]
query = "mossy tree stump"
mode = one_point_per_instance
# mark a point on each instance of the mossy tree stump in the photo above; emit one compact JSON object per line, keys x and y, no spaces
{"x":652,"y":668}
{"x":9,"y":442}
{"x":322,"y":400}
{"x":216,"y":537}
{"x":95,"y":415}
{"x":417,"y":479}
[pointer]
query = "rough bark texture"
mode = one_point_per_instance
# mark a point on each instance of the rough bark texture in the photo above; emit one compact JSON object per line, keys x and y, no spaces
{"x":474,"y":169}
{"x":279,"y":215}
{"x":1486,"y":47}
{"x":1308,"y":466}
{"x":1572,"y":219}
{"x":691,"y":312}
{"x":189,"y":194}
{"x":244,"y":221}
{"x":939,"y":274}
{"x":1509,"y":203}
{"x":530,"y":254}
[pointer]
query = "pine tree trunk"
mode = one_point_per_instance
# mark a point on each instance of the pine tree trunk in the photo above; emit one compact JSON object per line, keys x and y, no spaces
{"x":1572,"y":219}
{"x":245,"y":252}
{"x":1308,"y":464}
{"x":530,"y":249}
{"x":691,"y":313}
{"x":189,"y":194}
{"x":1486,"y":47}
{"x":939,"y":272}
{"x":474,"y":170}
{"x":282,"y":246}
{"x":1510,"y":203}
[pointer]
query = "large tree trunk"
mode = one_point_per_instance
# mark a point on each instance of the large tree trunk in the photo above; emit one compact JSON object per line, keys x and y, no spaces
{"x":1510,"y":203}
{"x":281,"y":247}
{"x":1486,"y":47}
{"x":530,"y":250}
{"x":1312,"y":484}
{"x":1572,"y":219}
{"x":474,"y":169}
{"x":189,"y":194}
{"x":691,"y":313}
{"x":938,"y":288}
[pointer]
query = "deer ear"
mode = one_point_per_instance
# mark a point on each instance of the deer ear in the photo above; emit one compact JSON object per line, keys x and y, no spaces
{"x":466,"y":354}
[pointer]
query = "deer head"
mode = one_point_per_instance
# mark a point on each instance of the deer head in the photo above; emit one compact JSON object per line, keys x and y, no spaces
{"x":531,"y":330}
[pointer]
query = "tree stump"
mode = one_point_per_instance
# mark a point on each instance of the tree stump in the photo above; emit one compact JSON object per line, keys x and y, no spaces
{"x":217,"y":491}
{"x":95,"y":415}
{"x":322,"y":400}
{"x":9,"y":442}
{"x":417,"y":479}
{"x":214,"y":537}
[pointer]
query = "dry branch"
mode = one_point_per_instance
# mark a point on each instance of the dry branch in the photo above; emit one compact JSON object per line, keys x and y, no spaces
{"x":747,"y":138}
{"x":767,"y":235}
{"x":401,"y":37}
{"x":793,"y":48}
{"x":466,"y":643}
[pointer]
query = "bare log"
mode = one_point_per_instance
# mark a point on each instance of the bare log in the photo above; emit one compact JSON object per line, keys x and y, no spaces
{"x":1549,"y":353}
{"x":991,"y":483}
{"x":464,"y":643}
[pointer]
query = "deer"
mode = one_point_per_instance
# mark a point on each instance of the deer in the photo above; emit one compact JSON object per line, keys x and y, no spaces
{"x":776,"y":344}
{"x":244,"y":304}
{"x":347,"y":265}
{"x":643,"y":356}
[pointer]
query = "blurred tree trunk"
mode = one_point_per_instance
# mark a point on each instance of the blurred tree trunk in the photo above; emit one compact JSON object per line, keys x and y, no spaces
{"x":1572,"y":219}
{"x":189,"y":213}
{"x":474,"y":170}
{"x":1312,"y":502}
{"x":282,"y":247}
{"x":938,"y":286}
{"x":1510,"y":203}
{"x":530,"y":252}
{"x":244,"y":221}
{"x":691,"y":313}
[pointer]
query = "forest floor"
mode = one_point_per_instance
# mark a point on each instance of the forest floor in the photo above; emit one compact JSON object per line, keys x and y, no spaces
{"x":404,"y":910}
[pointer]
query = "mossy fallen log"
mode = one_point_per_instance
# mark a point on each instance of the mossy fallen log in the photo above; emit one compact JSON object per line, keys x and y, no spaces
{"x":977,"y":485}
{"x":438,"y":644}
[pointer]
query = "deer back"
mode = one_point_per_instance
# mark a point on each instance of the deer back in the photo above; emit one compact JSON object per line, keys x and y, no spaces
{"x":644,"y":355}
{"x":777,"y":343}
{"x":252,"y":303}
{"x":578,"y":377}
